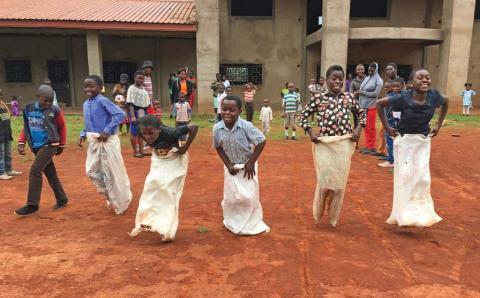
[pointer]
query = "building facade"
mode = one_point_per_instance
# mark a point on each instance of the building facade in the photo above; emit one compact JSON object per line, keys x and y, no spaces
{"x":267,"y":42}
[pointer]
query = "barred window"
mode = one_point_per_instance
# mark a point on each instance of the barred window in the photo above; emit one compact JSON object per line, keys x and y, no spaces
{"x":113,"y":70}
{"x":18,"y":71}
{"x":241,"y":74}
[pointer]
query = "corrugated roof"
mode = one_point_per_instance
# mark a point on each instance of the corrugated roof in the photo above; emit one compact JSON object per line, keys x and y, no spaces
{"x":180,"y":12}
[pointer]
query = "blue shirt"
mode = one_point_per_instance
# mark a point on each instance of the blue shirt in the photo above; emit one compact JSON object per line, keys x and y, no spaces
{"x":467,"y":97}
{"x":290,"y":102}
{"x":237,"y":142}
{"x":415,"y":117}
{"x":38,"y":132}
{"x":101,"y":115}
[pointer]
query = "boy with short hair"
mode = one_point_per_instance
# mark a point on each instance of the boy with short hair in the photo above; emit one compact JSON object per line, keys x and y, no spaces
{"x":45,"y":132}
{"x":159,"y":203}
{"x":182,"y":111}
{"x":290,"y":105}
{"x":239,"y":144}
{"x":266,"y":116}
{"x":334,"y":144}
{"x":104,"y":164}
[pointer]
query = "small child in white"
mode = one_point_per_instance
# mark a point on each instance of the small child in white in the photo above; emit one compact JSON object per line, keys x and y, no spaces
{"x":467,"y":98}
{"x":239,"y":144}
{"x":266,"y":116}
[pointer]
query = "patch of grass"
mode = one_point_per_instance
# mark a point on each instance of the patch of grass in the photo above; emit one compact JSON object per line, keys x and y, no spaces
{"x":202,"y":230}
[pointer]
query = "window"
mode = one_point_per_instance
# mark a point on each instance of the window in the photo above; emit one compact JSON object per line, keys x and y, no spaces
{"x":18,"y":71}
{"x":369,"y":9}
{"x":251,"y":8}
{"x":241,"y":74}
{"x":113,"y":70}
{"x":314,"y":12}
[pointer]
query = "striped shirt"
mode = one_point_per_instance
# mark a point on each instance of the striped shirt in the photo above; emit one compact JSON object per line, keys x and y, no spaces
{"x":148,"y":85}
{"x":183,"y":111}
{"x":248,"y":95}
{"x":238,"y":143}
{"x":290,"y":102}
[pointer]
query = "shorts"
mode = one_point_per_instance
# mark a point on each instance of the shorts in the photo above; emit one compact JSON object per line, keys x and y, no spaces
{"x":134,"y":126}
{"x":290,"y":120}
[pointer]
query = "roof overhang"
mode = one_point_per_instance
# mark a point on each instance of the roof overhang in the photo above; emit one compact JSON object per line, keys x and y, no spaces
{"x":121,"y":26}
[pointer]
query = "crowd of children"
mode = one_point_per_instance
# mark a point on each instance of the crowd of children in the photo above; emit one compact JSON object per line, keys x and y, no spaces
{"x":341,"y":105}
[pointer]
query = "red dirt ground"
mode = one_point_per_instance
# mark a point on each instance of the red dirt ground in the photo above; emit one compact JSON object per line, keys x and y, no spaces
{"x":84,"y":250}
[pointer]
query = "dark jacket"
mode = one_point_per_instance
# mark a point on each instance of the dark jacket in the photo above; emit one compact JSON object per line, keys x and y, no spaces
{"x":54,"y":122}
{"x":176,"y":90}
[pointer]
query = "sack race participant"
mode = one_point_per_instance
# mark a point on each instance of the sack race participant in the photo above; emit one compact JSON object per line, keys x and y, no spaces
{"x":104,"y":165}
{"x":239,"y":145}
{"x":412,"y":202}
{"x":159,"y":203}
{"x":334,"y":144}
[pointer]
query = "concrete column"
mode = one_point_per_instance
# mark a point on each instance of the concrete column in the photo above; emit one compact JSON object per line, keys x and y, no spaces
{"x":94,"y":53}
{"x":457,"y":26}
{"x":335,"y":29}
{"x":208,"y":51}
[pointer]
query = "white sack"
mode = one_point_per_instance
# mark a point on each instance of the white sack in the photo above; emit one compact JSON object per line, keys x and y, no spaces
{"x":105,"y":168}
{"x":159,"y":203}
{"x":412,"y":202}
{"x":242,"y":211}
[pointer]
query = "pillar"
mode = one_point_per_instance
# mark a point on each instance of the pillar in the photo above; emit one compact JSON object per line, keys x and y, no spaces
{"x":208,"y":51}
{"x":457,"y":26}
{"x":335,"y":30}
{"x":94,"y":53}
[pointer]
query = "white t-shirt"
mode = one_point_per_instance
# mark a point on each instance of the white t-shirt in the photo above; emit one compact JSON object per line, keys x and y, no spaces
{"x":266,"y":114}
{"x":226,"y":84}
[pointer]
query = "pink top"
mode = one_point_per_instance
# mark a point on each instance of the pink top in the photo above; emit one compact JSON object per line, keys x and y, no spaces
{"x":248,"y":95}
{"x":148,"y":86}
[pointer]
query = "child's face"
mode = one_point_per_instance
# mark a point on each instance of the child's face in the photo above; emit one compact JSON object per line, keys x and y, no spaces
{"x":182,"y":75}
{"x":421,"y":81}
{"x":371,"y":70}
{"x":360,"y":70}
{"x":321,"y":81}
{"x":468,"y":87}
{"x":221,"y":89}
{"x":181,"y":97}
{"x":349,"y":76}
{"x":248,"y":87}
{"x":409,"y":85}
{"x":91,"y":88}
{"x":45,"y":101}
{"x":123,"y":81}
{"x":230,"y":112}
{"x":291,"y":88}
{"x":391,"y":71}
{"x":396,"y":87}
{"x":148,"y":71}
{"x":229,"y":91}
{"x":265,"y":103}
{"x":150,"y":133}
{"x":387,"y":87}
{"x":139,"y":79}
{"x":335,"y":81}
{"x":312,"y":81}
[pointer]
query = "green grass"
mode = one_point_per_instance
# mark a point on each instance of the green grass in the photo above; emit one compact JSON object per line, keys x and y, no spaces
{"x":75,"y":125}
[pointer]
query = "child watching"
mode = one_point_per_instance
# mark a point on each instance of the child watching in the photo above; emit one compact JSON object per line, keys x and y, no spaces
{"x":234,"y":140}
{"x":6,"y":171}
{"x":119,"y":93}
{"x":222,"y":93}
{"x":157,"y":110}
{"x":104,"y":164}
{"x":45,"y":132}
{"x":412,"y":202}
{"x":334,"y":144}
{"x":266,"y":115}
{"x":290,"y":105}
{"x":159,"y":203}
{"x":138,"y":101}
{"x":395,"y":87}
{"x":15,"y":107}
{"x":467,"y":98}
{"x":249,"y":93}
{"x":182,"y":112}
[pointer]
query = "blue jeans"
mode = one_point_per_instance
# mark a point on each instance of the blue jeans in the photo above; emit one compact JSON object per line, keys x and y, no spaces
{"x":5,"y":157}
{"x":389,"y":140}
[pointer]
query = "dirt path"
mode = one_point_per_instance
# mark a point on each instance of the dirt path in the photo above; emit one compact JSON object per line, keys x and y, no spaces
{"x":84,"y":250}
